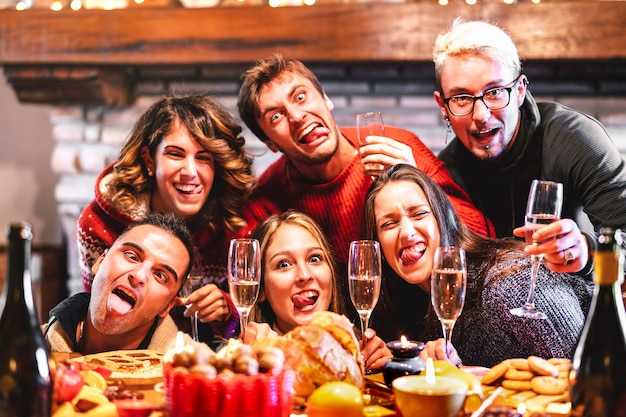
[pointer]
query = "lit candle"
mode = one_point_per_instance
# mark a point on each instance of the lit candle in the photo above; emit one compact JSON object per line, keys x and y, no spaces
{"x":182,"y":354}
{"x":405,"y":343}
{"x":430,"y":371}
{"x":180,"y":342}
{"x":521,"y":409}
{"x":404,"y":348}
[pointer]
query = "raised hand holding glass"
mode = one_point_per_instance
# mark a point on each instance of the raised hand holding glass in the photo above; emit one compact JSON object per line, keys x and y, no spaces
{"x":370,"y":124}
{"x":543,"y":207}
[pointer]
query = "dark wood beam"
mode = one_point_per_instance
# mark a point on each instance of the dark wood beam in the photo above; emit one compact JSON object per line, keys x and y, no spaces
{"x":329,"y":33}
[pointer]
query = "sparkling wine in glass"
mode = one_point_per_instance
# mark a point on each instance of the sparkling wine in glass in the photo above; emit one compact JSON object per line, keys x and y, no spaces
{"x":244,"y":276}
{"x":364,"y":275}
{"x":448,"y":283}
{"x":370,"y":124}
{"x":543,"y":207}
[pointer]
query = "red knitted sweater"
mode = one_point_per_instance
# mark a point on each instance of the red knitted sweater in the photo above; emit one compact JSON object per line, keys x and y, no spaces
{"x":338,"y":205}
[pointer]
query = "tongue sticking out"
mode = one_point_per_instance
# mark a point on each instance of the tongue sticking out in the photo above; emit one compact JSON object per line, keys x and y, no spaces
{"x":118,"y":304}
{"x":411,"y":255}
{"x":315,"y":134}
{"x":301,"y":301}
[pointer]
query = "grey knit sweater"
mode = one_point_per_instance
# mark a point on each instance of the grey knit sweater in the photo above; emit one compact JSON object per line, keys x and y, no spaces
{"x":487,"y":333}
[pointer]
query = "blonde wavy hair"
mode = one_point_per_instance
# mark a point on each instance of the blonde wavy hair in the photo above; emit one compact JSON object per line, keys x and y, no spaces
{"x":213,"y":127}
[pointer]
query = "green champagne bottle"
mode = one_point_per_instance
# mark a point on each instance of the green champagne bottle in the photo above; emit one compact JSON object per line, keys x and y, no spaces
{"x":25,"y":379}
{"x":598,"y":375}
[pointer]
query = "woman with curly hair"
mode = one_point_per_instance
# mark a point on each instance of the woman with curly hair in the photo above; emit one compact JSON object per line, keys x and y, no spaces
{"x":185,"y":155}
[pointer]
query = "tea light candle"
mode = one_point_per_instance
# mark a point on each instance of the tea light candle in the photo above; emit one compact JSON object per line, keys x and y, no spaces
{"x":404,"y":348}
{"x":429,"y":396}
{"x":182,"y":354}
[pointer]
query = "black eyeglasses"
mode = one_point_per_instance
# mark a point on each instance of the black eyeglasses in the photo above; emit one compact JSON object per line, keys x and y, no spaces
{"x":495,"y":98}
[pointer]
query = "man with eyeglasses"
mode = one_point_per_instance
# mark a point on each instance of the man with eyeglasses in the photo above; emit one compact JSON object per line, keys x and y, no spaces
{"x":504,"y":140}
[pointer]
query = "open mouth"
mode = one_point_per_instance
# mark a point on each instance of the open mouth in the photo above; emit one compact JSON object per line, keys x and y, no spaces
{"x":121,"y":301}
{"x":305,"y":299}
{"x":186,"y":188}
{"x":412,"y":254}
{"x":312,"y":132}
{"x":485,"y":133}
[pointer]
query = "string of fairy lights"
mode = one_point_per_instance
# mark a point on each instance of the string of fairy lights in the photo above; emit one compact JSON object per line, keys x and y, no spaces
{"x":58,"y":5}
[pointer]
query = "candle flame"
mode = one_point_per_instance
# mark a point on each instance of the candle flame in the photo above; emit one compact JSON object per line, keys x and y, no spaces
{"x":430,"y":371}
{"x":403,"y":341}
{"x":521,"y":408}
{"x":180,"y":342}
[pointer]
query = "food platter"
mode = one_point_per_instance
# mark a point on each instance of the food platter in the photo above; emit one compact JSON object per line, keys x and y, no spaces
{"x":133,"y":367}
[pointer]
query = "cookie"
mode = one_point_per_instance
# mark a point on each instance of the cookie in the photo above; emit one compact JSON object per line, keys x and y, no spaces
{"x":517,"y":375}
{"x":542,"y":367}
{"x":516,"y":385}
{"x":519,"y":363}
{"x":547,"y":385}
{"x":495,"y":373}
{"x":560,"y":361}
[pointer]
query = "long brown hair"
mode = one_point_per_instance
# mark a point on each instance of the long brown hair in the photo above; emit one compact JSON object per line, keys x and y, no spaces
{"x":481,"y":252}
{"x":262,"y":312}
{"x":212,"y":126}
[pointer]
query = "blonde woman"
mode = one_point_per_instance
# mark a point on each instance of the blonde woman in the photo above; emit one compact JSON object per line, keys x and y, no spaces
{"x":298,"y":279}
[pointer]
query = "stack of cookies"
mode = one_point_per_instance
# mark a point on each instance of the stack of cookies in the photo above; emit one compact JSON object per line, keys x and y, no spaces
{"x":542,"y":385}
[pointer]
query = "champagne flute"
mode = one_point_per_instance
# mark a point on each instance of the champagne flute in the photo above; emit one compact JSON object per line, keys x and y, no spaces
{"x":193,"y":282}
{"x":370,"y":124}
{"x":364,"y":272}
{"x":244,"y":275}
{"x":447,"y":287}
{"x":543,"y":207}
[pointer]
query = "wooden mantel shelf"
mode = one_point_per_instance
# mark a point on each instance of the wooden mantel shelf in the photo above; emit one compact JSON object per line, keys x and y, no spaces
{"x":101,"y":45}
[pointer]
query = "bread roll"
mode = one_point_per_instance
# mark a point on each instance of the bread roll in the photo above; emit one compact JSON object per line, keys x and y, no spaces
{"x":323,"y":351}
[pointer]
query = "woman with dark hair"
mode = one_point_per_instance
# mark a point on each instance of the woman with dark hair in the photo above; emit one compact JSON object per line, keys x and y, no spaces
{"x":186,"y":156}
{"x":411,"y":216}
{"x":299,"y":278}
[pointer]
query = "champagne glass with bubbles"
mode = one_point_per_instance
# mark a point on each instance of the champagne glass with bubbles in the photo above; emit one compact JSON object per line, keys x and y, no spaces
{"x":244,"y":276}
{"x":543,"y":207}
{"x":364,"y":272}
{"x":447,"y":287}
{"x":194,"y":281}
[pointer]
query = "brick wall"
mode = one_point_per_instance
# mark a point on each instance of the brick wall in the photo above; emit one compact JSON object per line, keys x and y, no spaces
{"x":88,"y":139}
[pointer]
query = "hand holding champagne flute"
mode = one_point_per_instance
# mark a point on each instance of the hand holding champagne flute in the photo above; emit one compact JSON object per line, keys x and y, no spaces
{"x":193,"y":282}
{"x":364,"y":275}
{"x":448,"y":283}
{"x":370,"y":124}
{"x":543,"y":207}
{"x":244,"y":276}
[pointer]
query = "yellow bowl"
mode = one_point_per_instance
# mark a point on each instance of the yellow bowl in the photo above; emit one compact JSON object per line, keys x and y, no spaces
{"x":416,"y":397}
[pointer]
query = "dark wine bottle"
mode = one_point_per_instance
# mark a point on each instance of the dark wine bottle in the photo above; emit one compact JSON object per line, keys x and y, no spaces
{"x":25,"y":379}
{"x":598,"y":375}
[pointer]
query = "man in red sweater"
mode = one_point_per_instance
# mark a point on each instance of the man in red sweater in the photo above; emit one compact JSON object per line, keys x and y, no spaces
{"x":321,"y":171}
